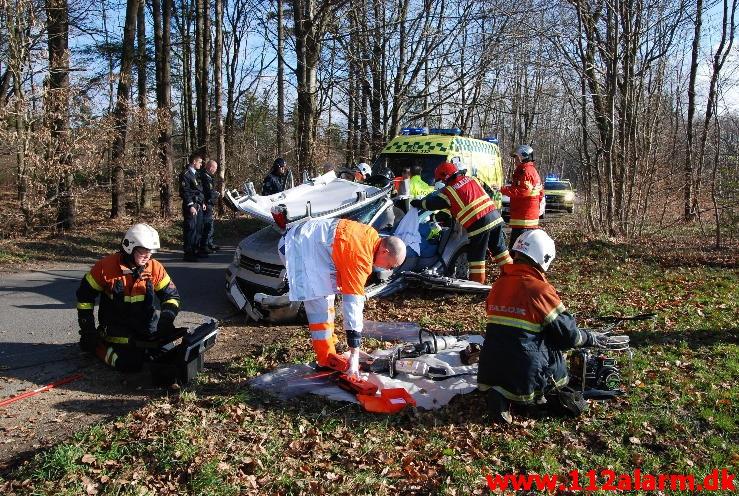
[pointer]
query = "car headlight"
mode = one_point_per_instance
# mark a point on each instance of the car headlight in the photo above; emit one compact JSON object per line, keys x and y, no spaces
{"x":237,"y":256}
{"x":569,"y":196}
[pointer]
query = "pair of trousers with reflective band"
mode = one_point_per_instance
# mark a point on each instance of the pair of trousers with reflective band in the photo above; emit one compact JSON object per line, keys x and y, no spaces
{"x":192,"y":225}
{"x":494,"y":239}
{"x":117,"y":350}
{"x":321,"y":313}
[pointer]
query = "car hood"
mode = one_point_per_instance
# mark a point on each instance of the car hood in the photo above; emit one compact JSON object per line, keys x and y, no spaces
{"x":325,"y":196}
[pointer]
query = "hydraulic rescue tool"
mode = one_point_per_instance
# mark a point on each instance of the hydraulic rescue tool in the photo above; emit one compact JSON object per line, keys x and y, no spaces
{"x":592,"y":369}
{"x":403,"y":357}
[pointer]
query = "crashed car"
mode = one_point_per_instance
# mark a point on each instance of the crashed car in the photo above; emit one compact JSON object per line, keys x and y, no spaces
{"x":256,"y":279}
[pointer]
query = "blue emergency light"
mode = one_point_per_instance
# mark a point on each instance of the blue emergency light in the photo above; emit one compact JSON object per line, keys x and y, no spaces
{"x":551,"y":178}
{"x":454,"y":131}
{"x":414,"y":131}
{"x":491,"y":139}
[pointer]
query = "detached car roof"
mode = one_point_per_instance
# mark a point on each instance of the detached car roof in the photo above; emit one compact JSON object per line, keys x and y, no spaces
{"x":322,"y":197}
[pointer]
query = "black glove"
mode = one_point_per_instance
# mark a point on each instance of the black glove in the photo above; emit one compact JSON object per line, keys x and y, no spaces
{"x":88,"y":332}
{"x":87,"y":324}
{"x":417,"y":203}
{"x":166,"y":323}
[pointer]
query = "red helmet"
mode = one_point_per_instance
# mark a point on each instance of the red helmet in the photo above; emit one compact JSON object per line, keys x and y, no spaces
{"x":444,"y":170}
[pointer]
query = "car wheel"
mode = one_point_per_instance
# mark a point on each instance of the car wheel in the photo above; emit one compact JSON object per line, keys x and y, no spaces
{"x":571,"y":209}
{"x":459,"y":267}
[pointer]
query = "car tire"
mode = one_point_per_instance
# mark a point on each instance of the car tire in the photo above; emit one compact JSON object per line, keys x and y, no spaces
{"x":571,"y":209}
{"x":459,"y":266}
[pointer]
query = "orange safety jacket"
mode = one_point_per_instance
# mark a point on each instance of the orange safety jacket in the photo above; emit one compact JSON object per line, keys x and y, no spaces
{"x":525,"y":193}
{"x":467,"y":201}
{"x":127,"y":299}
{"x":353,"y":254}
{"x":528,"y":329}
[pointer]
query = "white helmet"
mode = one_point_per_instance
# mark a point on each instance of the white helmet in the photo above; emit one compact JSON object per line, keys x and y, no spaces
{"x":142,"y":235}
{"x":524,"y":152}
{"x":365,"y":169}
{"x":537,"y":245}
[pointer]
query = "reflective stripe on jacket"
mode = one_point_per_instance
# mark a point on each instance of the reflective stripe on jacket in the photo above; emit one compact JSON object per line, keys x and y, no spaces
{"x":127,"y":301}
{"x":464,"y":197}
{"x":528,"y":329}
{"x":525,"y":193}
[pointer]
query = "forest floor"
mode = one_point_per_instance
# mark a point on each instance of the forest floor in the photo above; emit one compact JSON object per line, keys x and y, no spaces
{"x":680,"y":414}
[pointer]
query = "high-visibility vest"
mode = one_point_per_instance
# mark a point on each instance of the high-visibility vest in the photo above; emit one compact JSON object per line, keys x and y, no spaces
{"x":468,"y":201}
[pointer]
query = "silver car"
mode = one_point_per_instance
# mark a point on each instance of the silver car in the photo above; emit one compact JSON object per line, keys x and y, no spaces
{"x":256,"y":280}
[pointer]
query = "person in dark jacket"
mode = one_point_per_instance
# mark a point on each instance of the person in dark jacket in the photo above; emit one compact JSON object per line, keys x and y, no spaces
{"x":127,"y":282}
{"x":528,"y":329}
{"x":275,"y":180}
{"x":210,"y":194}
{"x":468,"y":202}
{"x":191,"y":192}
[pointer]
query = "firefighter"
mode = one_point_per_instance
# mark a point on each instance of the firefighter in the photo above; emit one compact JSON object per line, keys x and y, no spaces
{"x":326,"y":256}
{"x":362,"y":172}
{"x":127,"y":282}
{"x":472,"y":207}
{"x":191,"y":192}
{"x":525,"y":193}
{"x":274,"y":182}
{"x":528,"y":329}
{"x":210,"y":195}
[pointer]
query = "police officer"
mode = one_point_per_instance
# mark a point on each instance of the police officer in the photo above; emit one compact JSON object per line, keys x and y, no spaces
{"x":127,"y":282}
{"x":207,"y":178}
{"x":468,"y":202}
{"x":191,"y":192}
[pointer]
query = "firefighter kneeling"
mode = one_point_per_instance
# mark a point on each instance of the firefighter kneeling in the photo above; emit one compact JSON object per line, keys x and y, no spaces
{"x":131,"y":331}
{"x":528,"y":330}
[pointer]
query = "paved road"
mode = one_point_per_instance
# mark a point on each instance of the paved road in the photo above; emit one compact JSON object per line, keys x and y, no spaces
{"x":38,"y":328}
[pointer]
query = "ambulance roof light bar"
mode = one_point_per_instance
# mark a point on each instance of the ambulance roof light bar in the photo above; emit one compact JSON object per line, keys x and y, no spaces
{"x":424,"y":131}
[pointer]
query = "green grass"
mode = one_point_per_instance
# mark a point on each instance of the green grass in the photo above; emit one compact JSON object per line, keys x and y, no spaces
{"x":680,"y":414}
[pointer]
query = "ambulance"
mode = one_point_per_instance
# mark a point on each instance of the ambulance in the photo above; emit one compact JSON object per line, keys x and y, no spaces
{"x":429,"y":147}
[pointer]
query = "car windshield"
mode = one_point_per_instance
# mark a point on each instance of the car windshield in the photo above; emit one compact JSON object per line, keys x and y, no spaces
{"x":396,"y":162}
{"x":557,"y":185}
{"x":365,"y":214}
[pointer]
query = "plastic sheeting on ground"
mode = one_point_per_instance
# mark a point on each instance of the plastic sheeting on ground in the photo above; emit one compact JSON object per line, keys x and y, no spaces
{"x":295,"y":380}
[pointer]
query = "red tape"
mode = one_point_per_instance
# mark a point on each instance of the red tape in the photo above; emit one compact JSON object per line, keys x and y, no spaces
{"x":43,"y":389}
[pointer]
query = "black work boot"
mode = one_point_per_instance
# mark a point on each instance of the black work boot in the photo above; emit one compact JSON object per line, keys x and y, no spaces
{"x":498,"y":407}
{"x":190,"y":257}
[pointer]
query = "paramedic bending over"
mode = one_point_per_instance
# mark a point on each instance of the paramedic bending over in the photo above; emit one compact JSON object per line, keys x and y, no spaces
{"x":328,"y":256}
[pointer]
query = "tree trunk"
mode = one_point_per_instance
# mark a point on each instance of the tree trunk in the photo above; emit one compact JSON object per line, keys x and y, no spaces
{"x":280,"y":80}
{"x":57,"y":105}
{"x":147,"y":190}
{"x":201,"y":73}
{"x":162,"y":45}
{"x":218,"y":94}
{"x":120,"y":114}
{"x":688,"y":213}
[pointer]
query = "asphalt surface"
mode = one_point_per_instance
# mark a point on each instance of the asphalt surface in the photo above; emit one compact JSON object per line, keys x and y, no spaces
{"x":38,"y":327}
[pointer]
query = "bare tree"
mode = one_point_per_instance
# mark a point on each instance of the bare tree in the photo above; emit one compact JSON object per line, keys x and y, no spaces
{"x":120,"y":113}
{"x":162,"y":13}
{"x":57,"y":105}
{"x":311,"y":20}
